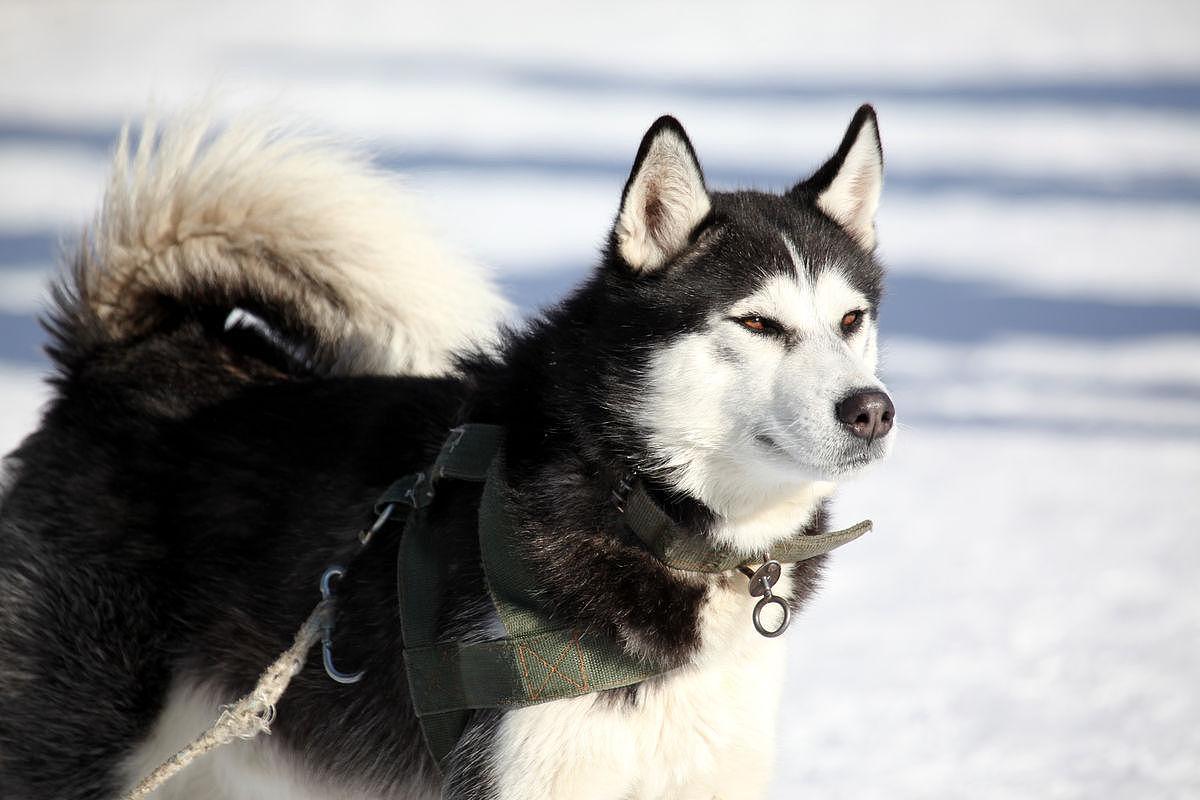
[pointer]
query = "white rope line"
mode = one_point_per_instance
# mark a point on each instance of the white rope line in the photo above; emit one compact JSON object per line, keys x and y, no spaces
{"x":249,"y":716}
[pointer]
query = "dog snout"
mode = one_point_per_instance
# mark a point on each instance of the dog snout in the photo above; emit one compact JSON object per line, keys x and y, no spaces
{"x":866,"y":414}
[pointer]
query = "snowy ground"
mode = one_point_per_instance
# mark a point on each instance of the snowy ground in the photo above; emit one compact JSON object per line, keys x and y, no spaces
{"x":1025,"y":621}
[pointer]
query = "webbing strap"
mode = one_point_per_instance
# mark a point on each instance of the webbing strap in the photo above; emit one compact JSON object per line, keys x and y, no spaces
{"x":542,"y":658}
{"x":539,"y":660}
{"x":517,"y":671}
{"x":510,"y":581}
{"x":466,"y":455}
{"x":424,"y":572}
{"x":468,"y":452}
{"x":682,"y":549}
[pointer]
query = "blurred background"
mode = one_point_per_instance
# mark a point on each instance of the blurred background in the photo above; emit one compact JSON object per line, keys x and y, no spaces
{"x":1025,"y":620}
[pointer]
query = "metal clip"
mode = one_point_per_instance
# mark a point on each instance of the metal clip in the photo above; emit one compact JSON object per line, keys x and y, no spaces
{"x":411,"y":493}
{"x":761,"y":582}
{"x":621,"y":493}
{"x":327,"y":630}
{"x":456,"y":435}
{"x":419,"y":492}
{"x":364,"y":536}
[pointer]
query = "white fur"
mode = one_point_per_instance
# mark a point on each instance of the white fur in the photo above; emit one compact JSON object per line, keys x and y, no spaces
{"x":665,"y":201}
{"x":289,"y":219}
{"x":713,"y":393}
{"x":244,"y":770}
{"x":702,"y":731}
{"x":852,"y":198}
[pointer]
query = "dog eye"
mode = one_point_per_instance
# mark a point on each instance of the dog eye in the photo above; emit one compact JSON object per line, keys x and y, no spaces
{"x":760,"y":324}
{"x":851,"y":321}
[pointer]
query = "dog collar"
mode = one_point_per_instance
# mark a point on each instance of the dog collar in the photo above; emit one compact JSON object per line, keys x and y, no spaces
{"x":540,"y":659}
{"x":679,"y":548}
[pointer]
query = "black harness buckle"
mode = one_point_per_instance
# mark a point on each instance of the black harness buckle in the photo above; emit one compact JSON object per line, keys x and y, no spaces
{"x":415,"y":491}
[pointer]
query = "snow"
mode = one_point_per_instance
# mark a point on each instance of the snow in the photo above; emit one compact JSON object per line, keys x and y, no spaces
{"x":1025,"y":620}
{"x":1039,"y":634}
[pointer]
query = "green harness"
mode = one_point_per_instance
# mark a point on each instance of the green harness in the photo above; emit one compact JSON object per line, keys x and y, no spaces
{"x":539,"y":660}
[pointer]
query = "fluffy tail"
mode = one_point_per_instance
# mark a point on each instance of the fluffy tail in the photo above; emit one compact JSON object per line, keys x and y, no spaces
{"x":315,"y":241}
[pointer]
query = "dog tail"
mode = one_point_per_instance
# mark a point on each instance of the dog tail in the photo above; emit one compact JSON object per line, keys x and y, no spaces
{"x":314,"y":242}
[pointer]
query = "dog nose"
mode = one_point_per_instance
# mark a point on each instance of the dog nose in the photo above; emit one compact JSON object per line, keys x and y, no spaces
{"x":867,"y":414}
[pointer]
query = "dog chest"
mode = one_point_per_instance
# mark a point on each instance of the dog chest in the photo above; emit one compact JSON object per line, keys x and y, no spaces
{"x":705,"y":730}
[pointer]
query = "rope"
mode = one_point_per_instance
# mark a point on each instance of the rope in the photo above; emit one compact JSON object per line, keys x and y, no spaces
{"x":249,"y":716}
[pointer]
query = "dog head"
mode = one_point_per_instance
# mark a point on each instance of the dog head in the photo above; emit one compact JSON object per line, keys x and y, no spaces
{"x":749,"y":320}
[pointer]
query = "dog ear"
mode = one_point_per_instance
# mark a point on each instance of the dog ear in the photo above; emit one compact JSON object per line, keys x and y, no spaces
{"x":664,"y":198}
{"x":847,"y":187}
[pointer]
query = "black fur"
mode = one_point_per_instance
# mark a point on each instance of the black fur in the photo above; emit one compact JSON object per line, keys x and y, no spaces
{"x":188,"y":485}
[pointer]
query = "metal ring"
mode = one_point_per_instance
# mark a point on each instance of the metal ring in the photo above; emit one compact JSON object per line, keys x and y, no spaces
{"x":335,"y":673}
{"x":333,"y":571}
{"x":758,"y":609}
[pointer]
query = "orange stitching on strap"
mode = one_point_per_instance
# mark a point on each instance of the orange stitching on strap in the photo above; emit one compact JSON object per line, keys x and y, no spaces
{"x":536,"y":694}
{"x":555,"y":671}
{"x":533,"y":695}
{"x":582,"y":667}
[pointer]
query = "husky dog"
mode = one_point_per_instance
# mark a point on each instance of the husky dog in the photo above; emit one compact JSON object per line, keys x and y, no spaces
{"x":257,"y":339}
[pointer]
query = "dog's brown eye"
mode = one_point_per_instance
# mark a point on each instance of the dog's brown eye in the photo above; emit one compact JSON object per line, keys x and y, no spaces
{"x":851,"y":320}
{"x":759,"y":324}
